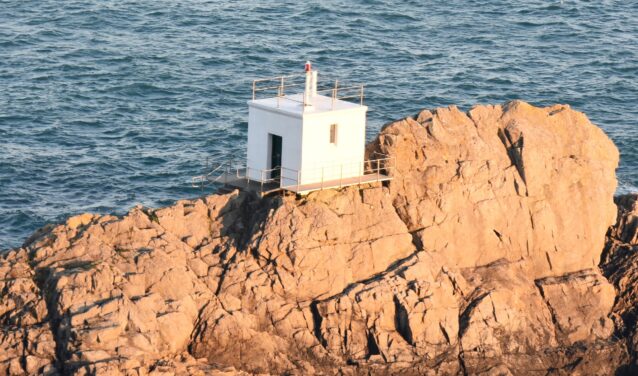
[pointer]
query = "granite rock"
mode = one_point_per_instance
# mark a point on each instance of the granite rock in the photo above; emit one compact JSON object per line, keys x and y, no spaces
{"x":479,"y":257}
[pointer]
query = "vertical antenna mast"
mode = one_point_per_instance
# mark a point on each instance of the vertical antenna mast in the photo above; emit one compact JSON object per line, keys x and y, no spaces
{"x":307,"y":94}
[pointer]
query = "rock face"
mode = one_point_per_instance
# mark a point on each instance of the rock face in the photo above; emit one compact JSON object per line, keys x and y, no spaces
{"x":513,"y":182}
{"x":480,"y":257}
{"x":620,"y":266}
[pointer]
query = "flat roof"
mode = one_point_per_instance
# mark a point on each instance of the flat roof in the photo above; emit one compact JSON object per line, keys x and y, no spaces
{"x":293,"y":105}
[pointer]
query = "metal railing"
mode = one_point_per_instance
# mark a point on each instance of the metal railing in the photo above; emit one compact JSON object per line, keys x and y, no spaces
{"x":335,"y":175}
{"x":281,"y":83}
{"x":214,"y":169}
{"x":338,"y":175}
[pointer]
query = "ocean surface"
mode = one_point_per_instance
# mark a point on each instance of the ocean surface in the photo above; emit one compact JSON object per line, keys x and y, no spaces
{"x":107,"y":104}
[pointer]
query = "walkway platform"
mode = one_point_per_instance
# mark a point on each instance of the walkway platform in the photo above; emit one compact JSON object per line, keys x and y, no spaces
{"x":264,"y":189}
{"x":338,"y":183}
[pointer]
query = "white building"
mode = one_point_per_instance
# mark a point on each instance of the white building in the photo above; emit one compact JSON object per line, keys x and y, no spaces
{"x":304,"y":141}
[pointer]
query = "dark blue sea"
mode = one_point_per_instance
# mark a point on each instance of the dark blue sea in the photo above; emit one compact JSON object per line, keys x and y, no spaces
{"x":107,"y":104}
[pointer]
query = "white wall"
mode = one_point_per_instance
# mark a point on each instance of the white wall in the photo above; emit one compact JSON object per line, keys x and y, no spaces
{"x":261,"y":123}
{"x":317,"y":159}
{"x":343,"y":159}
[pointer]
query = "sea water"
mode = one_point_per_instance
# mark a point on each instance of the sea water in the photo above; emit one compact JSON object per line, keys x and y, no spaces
{"x":107,"y":104}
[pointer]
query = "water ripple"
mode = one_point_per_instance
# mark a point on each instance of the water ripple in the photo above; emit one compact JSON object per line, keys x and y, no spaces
{"x":106,"y":104}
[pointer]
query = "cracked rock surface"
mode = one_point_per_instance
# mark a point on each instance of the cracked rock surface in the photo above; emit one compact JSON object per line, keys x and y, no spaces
{"x":480,"y":257}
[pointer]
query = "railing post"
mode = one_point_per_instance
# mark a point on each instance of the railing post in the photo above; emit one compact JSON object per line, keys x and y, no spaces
{"x":298,"y":180}
{"x":281,"y":90}
{"x":321,"y":178}
{"x":332,"y":99}
{"x":227,"y":174}
{"x":361,"y":171}
{"x":253,"y":89}
{"x":362,"y":95}
{"x":340,"y":175}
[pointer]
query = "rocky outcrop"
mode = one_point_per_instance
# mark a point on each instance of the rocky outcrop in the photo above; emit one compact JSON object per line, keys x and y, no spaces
{"x":513,"y":182}
{"x":480,"y":257}
{"x":620,"y":266}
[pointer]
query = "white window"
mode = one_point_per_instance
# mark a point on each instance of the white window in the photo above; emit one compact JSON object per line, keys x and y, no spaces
{"x":333,"y":134}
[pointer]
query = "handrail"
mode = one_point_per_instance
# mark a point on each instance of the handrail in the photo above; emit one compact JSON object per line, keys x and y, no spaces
{"x":280,"y":77}
{"x":291,"y":178}
{"x":211,"y":167}
{"x":283,"y":82}
{"x":365,"y":168}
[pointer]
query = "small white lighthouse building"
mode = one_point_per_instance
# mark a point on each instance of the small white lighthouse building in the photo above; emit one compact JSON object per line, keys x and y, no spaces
{"x":305,"y":138}
{"x":302,"y":139}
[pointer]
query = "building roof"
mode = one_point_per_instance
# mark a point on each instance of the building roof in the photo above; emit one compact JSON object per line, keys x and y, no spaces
{"x":293,"y":105}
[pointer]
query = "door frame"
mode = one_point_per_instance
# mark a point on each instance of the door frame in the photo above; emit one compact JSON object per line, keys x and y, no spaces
{"x":276,"y":173}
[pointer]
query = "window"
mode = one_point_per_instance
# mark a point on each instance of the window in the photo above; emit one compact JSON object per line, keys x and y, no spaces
{"x":333,"y":133}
